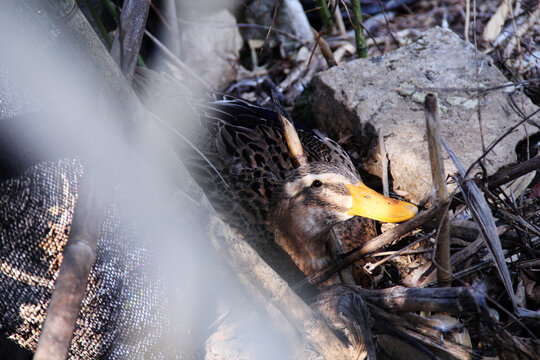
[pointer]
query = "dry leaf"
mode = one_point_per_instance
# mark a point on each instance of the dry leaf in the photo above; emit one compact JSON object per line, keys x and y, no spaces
{"x":494,"y":25}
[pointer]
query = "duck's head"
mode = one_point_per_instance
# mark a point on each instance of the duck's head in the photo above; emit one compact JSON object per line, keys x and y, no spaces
{"x":317,"y":196}
{"x":313,"y":199}
{"x":326,"y":193}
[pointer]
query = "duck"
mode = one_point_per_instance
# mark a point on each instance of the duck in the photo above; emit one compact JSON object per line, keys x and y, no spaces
{"x":281,"y":185}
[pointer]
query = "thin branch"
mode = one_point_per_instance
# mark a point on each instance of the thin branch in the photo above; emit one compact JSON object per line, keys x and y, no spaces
{"x":384,"y":165}
{"x":128,"y":39}
{"x":513,"y":172}
{"x":325,"y":49}
{"x":206,"y":85}
{"x":442,"y":253}
{"x":508,"y":132}
{"x":271,"y":25}
{"x":388,"y":24}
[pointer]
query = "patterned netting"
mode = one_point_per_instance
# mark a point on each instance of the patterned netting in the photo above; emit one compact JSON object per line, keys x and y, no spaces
{"x":123,"y":313}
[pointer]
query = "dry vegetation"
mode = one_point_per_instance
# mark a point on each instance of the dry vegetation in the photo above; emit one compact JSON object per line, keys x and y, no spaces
{"x":488,"y":311}
{"x":497,"y":327}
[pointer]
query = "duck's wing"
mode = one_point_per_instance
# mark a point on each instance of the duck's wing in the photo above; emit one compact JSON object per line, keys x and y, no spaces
{"x":244,"y":140}
{"x":244,"y":117}
{"x":244,"y":144}
{"x":321,"y":148}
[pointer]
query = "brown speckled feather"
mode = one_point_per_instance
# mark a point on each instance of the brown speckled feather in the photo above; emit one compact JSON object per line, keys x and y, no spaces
{"x":258,"y":191}
{"x":245,"y":143}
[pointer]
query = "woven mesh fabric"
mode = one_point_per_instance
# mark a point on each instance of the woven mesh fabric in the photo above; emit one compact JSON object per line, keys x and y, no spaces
{"x":122,"y":314}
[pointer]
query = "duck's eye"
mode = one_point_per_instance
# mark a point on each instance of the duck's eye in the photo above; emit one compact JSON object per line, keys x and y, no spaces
{"x":316,"y":183}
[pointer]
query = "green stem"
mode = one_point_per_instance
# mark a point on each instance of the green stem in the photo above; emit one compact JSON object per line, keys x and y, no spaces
{"x":99,"y":24}
{"x":361,"y":47}
{"x":111,"y":8}
{"x":325,"y":14}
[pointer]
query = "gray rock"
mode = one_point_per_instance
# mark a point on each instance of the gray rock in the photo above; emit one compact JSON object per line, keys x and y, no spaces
{"x":212,"y":50}
{"x":386,"y":93}
{"x":290,"y":18}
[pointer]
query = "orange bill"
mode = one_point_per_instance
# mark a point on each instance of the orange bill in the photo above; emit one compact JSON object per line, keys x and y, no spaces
{"x":369,"y":203}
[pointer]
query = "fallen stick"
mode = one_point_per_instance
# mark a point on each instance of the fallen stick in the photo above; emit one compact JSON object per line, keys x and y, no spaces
{"x":442,"y":250}
{"x":247,"y":262}
{"x":513,"y":172}
{"x":454,"y":300}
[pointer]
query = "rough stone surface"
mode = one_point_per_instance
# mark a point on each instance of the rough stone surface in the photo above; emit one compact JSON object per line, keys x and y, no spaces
{"x":387,"y":93}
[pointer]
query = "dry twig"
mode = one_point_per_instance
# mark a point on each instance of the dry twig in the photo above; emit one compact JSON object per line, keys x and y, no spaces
{"x":128,"y":38}
{"x":442,"y":253}
{"x":483,"y":217}
{"x":325,"y":49}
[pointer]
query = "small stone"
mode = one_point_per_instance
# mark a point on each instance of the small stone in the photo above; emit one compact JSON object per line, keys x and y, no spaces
{"x":418,"y":97}
{"x":461,"y":101}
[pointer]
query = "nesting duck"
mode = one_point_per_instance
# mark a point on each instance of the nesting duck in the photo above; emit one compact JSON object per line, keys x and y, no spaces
{"x":281,"y":184}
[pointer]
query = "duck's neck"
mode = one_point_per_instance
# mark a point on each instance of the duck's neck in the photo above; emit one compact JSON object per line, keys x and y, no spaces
{"x":309,"y":252}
